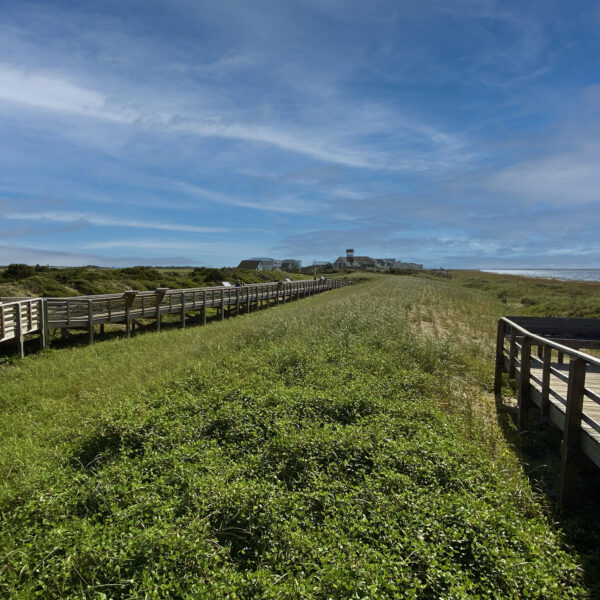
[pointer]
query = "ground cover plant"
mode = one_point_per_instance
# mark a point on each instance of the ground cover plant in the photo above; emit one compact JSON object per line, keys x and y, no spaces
{"x":344,"y":446}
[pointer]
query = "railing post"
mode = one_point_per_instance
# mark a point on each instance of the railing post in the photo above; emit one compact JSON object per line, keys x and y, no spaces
{"x":160,"y":294}
{"x":129,"y":298}
{"x":204,"y":307}
{"x":222,"y":304}
{"x":499,"y":357}
{"x":91,"y":321}
{"x":524,"y":385}
{"x":19,"y":331}
{"x":247,"y":300}
{"x":547,"y":358}
{"x":570,"y":450}
{"x":512,"y":352}
{"x":182,"y":310}
{"x":237,"y":301}
{"x":45,"y":325}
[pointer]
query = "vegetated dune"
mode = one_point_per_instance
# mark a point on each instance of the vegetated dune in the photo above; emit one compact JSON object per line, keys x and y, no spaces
{"x":24,"y":280}
{"x":331,"y":448}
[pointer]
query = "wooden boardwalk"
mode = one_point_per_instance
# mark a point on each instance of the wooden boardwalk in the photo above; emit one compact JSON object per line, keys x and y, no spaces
{"x":568,"y":394}
{"x":22,"y":316}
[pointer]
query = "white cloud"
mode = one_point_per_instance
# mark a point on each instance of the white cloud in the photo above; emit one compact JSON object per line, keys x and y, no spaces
{"x":50,"y":92}
{"x":44,"y":256}
{"x":569,"y":179}
{"x":339,"y":143}
{"x":146,"y":244}
{"x":229,"y":253}
{"x":283,"y":204}
{"x":92,"y":219}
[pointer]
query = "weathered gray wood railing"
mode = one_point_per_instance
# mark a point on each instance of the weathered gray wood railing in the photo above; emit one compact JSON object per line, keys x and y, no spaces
{"x":19,"y":317}
{"x":569,"y":397}
{"x":41,"y":315}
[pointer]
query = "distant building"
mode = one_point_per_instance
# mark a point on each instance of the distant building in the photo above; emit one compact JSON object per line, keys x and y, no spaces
{"x":261,"y":264}
{"x":255,"y":265}
{"x":290,"y":264}
{"x":408,"y":266}
{"x":355,"y":262}
{"x":385,"y":263}
{"x":350,"y":261}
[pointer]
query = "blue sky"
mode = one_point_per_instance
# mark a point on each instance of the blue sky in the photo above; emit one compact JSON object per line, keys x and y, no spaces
{"x":453,"y":133}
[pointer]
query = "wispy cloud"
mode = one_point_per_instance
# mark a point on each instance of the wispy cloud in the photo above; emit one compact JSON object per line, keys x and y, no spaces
{"x":91,"y":219}
{"x":214,"y":252}
{"x":294,"y":206}
{"x":50,"y":92}
{"x":44,"y":256}
{"x":557,"y":179}
{"x":54,"y":92}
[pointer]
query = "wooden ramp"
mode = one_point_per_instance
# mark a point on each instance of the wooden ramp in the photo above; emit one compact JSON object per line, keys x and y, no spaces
{"x":568,"y":394}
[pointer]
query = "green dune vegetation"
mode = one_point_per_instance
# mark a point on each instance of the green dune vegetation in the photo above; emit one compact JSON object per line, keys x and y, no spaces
{"x":25,"y":280}
{"x":343,"y":446}
{"x":537,"y":297}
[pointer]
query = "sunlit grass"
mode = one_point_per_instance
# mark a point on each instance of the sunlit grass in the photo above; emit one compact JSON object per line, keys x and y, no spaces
{"x":343,"y":446}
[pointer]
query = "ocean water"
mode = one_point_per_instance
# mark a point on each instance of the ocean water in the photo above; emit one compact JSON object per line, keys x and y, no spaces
{"x":564,"y":274}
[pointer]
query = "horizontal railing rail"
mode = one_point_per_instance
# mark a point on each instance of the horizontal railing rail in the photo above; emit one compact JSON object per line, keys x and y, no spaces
{"x":568,"y":350}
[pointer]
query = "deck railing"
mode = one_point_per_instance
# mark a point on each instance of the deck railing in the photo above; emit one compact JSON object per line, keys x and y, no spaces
{"x":19,"y":317}
{"x":128,"y":308}
{"x":542,"y":383}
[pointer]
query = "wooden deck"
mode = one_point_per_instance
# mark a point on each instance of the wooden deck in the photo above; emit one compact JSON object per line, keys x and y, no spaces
{"x":568,"y":394}
{"x":19,"y":317}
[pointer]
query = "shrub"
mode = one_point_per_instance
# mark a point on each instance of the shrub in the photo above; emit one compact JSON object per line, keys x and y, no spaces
{"x":526,"y":301}
{"x":141,"y":272}
{"x":18,"y":271}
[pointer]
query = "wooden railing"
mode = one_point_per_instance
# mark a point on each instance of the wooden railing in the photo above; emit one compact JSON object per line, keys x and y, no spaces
{"x":19,"y":317}
{"x":570,"y":399}
{"x":128,"y":308}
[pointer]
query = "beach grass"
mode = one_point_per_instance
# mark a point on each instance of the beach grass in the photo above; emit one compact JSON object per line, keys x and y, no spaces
{"x":344,"y":446}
